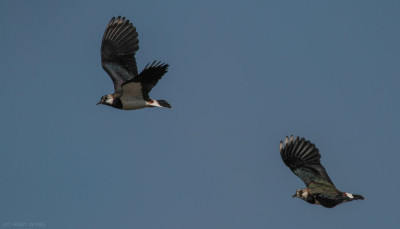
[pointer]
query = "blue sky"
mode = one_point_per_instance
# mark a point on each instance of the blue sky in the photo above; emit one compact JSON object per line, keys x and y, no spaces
{"x":242,"y":76}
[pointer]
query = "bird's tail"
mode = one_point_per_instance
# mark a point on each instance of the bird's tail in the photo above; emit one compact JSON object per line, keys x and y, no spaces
{"x":354,"y":196}
{"x":158,"y":103}
{"x":358,"y":197}
{"x":164,"y":103}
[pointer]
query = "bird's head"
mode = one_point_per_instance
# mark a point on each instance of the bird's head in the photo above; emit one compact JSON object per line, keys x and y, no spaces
{"x":106,"y":100}
{"x":301,"y":193}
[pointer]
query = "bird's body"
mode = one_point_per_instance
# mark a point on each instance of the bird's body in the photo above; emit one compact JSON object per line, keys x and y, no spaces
{"x":131,"y":90}
{"x":326,"y":196}
{"x":303,"y":158}
{"x":134,"y":104}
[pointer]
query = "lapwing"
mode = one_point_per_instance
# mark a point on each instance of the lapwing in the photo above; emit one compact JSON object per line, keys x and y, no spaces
{"x":131,"y":90}
{"x":303,"y":158}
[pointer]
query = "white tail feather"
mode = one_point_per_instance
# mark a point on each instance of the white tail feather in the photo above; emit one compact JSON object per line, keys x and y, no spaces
{"x":349,"y":195}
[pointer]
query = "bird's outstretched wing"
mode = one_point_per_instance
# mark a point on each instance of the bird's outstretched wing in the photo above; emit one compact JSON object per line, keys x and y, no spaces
{"x":149,"y":77}
{"x":118,"y":49}
{"x":303,"y":158}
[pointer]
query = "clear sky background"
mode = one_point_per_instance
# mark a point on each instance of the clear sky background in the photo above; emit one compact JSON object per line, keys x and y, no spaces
{"x":242,"y":76}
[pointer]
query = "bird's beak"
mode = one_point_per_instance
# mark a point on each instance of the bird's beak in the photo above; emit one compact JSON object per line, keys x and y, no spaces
{"x":98,"y":103}
{"x":294,"y":195}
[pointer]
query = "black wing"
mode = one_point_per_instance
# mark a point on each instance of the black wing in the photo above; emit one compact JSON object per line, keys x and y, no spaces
{"x":303,"y":158}
{"x":150,"y":76}
{"x":118,"y":51}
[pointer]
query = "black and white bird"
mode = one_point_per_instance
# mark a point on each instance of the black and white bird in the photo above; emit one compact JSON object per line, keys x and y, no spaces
{"x":131,"y":90}
{"x":303,"y":158}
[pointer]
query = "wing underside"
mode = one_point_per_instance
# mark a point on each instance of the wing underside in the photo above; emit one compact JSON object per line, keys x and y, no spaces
{"x":303,"y":158}
{"x":118,"y":49}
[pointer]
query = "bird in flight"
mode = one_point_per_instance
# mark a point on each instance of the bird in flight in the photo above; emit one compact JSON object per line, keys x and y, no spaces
{"x":303,"y":158}
{"x":131,"y":90}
